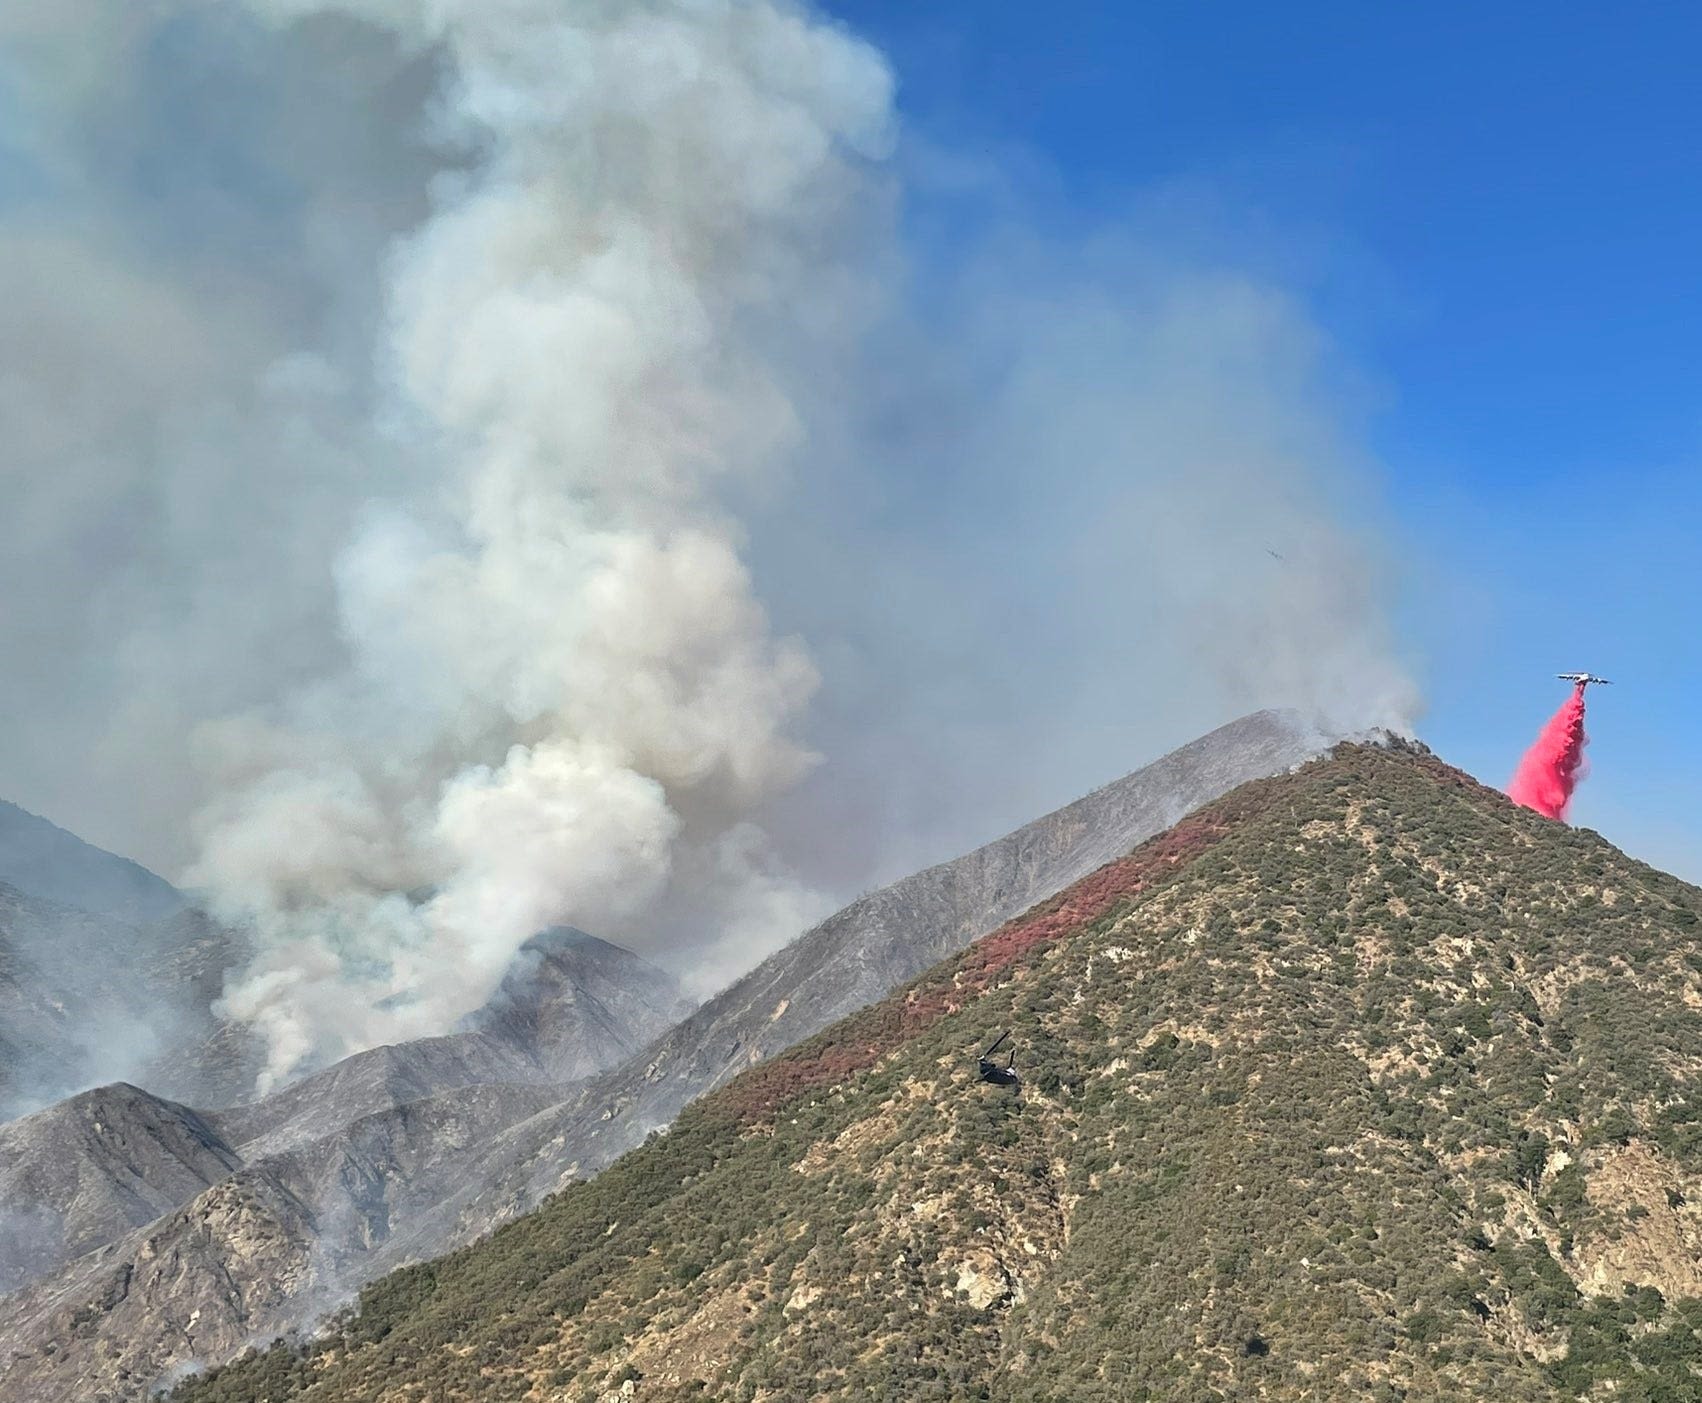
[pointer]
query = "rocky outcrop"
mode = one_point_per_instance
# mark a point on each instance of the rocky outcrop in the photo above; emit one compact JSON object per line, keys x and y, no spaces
{"x":122,"y":1317}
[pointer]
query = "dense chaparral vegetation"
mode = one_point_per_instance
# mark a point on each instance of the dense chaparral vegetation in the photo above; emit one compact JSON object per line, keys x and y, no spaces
{"x":1360,"y":1083}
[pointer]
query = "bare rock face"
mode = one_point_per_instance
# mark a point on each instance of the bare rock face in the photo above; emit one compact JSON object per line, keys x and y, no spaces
{"x":1650,"y":1232}
{"x":121,"y":1317}
{"x":399,"y":1153}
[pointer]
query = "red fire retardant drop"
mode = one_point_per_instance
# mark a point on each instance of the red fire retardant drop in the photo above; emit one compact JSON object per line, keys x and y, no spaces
{"x":1553,"y":766}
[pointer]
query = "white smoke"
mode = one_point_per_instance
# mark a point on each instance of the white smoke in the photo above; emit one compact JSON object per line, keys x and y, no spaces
{"x":559,"y":676}
{"x":430,"y":498}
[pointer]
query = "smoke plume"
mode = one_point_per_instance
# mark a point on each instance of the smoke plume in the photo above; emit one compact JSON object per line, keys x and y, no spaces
{"x":1554,"y":764}
{"x":518,"y":439}
{"x":560,"y":680}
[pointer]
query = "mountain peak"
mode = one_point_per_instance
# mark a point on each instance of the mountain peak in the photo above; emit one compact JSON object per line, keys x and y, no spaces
{"x":91,"y":1167}
{"x":564,"y":940}
{"x":568,"y":996}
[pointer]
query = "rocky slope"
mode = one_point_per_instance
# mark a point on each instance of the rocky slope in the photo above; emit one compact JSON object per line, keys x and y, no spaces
{"x":88,"y":1171}
{"x":407,"y":1180}
{"x":279,"y":1239}
{"x":1360,"y":1083}
{"x":570,"y":1005}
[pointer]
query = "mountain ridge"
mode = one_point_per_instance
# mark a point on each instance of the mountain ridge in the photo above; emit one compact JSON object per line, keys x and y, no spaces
{"x":517,"y":1161}
{"x":44,"y":860}
{"x":844,"y":962}
{"x":53,"y":1208}
{"x":75,"y":1177}
{"x":1373,"y":1086}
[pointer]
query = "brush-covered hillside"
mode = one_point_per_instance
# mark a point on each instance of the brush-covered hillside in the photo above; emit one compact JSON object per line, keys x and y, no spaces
{"x":1359,"y":1083}
{"x":399,"y":1154}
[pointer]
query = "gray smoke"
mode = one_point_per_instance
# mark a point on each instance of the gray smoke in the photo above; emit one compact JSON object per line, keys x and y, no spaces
{"x":452,"y":446}
{"x":560,"y":681}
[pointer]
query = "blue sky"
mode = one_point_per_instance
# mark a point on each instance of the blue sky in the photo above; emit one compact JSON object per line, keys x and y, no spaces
{"x":1495,"y":212}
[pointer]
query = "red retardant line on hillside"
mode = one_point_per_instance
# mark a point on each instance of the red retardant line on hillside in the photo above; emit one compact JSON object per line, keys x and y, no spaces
{"x":864,"y":1038}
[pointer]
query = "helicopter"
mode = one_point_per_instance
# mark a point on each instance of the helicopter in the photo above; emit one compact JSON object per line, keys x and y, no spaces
{"x":991,"y":1071}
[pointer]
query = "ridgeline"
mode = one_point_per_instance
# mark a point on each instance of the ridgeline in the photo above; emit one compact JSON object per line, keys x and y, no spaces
{"x":1359,"y":1083}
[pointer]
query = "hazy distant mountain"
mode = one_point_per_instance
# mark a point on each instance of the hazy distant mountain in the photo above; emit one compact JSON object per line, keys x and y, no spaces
{"x":71,"y":1007}
{"x":200,"y":1059}
{"x":570,"y":1005}
{"x":307,"y":1217}
{"x":104,"y":973}
{"x":1360,"y":1085}
{"x":84,"y":1173}
{"x":88,"y":998}
{"x":46,"y":862}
